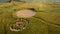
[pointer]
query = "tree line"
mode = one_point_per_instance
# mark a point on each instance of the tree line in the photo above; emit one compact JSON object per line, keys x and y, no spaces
{"x":16,"y":0}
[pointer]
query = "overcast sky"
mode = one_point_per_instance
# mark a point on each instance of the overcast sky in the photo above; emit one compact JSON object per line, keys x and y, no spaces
{"x":38,"y":0}
{"x":42,"y":0}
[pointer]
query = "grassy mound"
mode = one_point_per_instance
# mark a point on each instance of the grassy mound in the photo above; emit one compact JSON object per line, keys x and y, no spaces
{"x":46,"y":20}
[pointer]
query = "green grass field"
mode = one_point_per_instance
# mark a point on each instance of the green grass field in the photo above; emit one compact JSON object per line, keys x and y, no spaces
{"x":46,"y":20}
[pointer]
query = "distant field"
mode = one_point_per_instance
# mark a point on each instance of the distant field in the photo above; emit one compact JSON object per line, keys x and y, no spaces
{"x":46,"y":20}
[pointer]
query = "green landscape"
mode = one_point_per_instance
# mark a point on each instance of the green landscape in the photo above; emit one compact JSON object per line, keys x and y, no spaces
{"x":45,"y":21}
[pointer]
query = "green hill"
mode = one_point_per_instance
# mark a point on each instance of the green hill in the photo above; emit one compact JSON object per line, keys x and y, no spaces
{"x":46,"y":20}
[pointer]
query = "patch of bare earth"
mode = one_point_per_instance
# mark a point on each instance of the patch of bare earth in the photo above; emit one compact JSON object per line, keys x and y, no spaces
{"x":25,"y":13}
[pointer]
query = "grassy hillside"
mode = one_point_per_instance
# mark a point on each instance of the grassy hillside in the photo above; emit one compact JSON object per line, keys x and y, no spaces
{"x":46,"y":20}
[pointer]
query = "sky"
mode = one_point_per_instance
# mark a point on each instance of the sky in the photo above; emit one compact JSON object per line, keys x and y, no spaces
{"x":42,"y":0}
{"x":35,"y":0}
